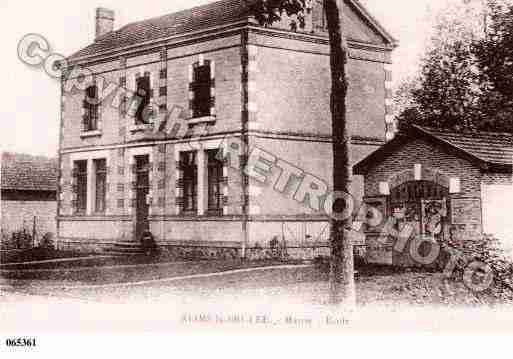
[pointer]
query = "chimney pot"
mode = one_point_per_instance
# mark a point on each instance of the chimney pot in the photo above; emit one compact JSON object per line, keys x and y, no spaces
{"x":104,"y":21}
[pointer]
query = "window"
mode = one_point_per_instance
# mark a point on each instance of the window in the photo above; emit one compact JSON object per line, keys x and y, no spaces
{"x":215,"y":180}
{"x":144,"y":92}
{"x":163,"y":73}
{"x":100,"y":168}
{"x":190,"y":185}
{"x":319,"y":16}
{"x":123,"y":106}
{"x":91,"y":109}
{"x":80,"y":172}
{"x":163,"y":91}
{"x":201,"y":88}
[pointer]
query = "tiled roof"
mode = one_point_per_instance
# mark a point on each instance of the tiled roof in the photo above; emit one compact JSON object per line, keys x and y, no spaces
{"x":211,"y":15}
{"x":490,"y":147}
{"x":490,"y":151}
{"x":28,"y":173}
{"x":195,"y":19}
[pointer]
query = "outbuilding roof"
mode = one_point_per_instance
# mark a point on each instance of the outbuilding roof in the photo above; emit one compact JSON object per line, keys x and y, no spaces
{"x":490,"y":151}
{"x":199,"y":18}
{"x":24,"y":172}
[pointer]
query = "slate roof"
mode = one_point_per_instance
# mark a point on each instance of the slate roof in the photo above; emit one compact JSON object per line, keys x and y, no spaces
{"x":490,"y":151}
{"x":195,"y":19}
{"x":24,"y":172}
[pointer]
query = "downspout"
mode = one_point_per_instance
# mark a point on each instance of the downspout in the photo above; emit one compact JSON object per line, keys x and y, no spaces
{"x":244,"y":138}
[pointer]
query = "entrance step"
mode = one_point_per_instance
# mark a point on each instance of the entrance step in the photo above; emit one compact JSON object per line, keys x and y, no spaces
{"x":125,"y":248}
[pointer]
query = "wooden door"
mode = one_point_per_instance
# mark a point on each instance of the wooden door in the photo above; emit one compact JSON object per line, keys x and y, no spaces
{"x":142,"y":188}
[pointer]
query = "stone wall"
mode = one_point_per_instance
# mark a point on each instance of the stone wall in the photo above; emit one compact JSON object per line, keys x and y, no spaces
{"x":19,"y":215}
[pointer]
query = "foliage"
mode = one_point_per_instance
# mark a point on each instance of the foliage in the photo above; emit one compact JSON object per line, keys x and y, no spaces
{"x":267,"y":12}
{"x":466,"y":74}
{"x":20,"y":239}
{"x":495,"y":59}
{"x":488,"y":251}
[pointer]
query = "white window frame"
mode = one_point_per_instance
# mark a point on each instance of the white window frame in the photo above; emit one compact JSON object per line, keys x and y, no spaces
{"x":202,"y":195}
{"x":91,"y":177}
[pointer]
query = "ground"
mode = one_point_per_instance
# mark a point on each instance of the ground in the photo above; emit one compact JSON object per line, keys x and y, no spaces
{"x":206,"y":292}
{"x":121,"y":282}
{"x":280,"y":296}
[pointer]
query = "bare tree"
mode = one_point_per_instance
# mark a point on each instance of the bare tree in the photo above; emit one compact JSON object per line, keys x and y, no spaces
{"x":342,"y":286}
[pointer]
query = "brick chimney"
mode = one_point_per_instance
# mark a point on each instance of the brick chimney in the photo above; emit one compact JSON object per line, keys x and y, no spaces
{"x":104,"y":21}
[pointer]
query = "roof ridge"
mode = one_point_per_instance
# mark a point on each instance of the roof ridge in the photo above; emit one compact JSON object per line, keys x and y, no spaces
{"x":19,"y":155}
{"x":190,"y":9}
{"x":465,"y":132}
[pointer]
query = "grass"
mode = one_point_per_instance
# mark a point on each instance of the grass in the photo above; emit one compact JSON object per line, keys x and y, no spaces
{"x":34,"y":254}
{"x":123,"y":270}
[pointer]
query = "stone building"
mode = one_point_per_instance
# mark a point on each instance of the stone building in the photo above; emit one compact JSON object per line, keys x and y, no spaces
{"x":228,"y":144}
{"x":447,"y":185}
{"x":29,"y":191}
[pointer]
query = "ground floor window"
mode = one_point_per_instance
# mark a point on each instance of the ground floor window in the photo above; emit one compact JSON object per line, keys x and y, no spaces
{"x":189,"y":170}
{"x":100,"y":167}
{"x":80,"y":174}
{"x":215,"y":180}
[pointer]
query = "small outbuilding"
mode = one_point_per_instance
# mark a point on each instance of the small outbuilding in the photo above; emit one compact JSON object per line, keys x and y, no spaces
{"x":28,"y":195}
{"x":450,"y":186}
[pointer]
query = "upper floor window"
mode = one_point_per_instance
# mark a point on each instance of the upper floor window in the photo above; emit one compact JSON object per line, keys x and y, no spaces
{"x":143,"y":113}
{"x":91,"y":109}
{"x":319,"y":16}
{"x":201,"y":88}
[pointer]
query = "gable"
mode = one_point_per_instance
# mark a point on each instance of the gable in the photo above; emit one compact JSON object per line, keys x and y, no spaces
{"x":362,"y":27}
{"x":359,"y":25}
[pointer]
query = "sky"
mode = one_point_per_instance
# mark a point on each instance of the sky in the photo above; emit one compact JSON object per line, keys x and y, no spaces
{"x":29,"y":113}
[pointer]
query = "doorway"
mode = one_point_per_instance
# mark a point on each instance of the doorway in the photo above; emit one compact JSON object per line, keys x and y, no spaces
{"x":423,"y":206}
{"x":142,"y":189}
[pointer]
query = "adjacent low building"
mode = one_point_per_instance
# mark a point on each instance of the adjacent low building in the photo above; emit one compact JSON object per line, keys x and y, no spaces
{"x":29,"y":194}
{"x":448,"y":185}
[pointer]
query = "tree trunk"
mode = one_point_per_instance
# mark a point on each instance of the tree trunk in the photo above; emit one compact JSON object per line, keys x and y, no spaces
{"x":342,"y":286}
